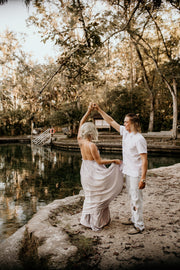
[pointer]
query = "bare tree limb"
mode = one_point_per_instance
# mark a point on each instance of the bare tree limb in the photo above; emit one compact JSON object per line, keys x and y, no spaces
{"x":58,"y":70}
{"x":127,"y":24}
{"x":155,"y":63}
{"x":159,"y":30}
{"x":84,"y":25}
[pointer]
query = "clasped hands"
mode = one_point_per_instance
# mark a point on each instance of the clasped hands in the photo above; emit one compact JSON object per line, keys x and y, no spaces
{"x":93,"y":106}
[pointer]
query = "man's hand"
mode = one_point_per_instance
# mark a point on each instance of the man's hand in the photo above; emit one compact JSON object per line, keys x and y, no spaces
{"x":142,"y":184}
{"x":118,"y":161}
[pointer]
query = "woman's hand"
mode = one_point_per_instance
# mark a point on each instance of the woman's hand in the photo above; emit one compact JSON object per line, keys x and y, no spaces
{"x":91,"y":107}
{"x":117,"y":161}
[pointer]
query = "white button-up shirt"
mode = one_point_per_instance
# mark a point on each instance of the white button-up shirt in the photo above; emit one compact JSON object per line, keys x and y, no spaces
{"x":133,"y":144}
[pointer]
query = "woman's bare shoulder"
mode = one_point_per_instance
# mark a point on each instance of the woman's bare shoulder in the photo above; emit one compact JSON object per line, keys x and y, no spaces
{"x":92,"y":146}
{"x":81,"y":141}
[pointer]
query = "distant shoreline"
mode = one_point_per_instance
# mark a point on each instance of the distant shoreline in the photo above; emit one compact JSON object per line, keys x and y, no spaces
{"x":156,"y":144}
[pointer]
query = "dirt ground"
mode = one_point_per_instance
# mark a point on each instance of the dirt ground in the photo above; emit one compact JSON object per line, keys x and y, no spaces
{"x":159,"y":244}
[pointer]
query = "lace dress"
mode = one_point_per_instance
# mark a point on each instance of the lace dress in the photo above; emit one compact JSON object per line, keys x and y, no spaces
{"x":101,"y":185}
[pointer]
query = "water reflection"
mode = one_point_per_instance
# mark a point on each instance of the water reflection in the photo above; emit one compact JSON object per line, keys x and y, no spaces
{"x":31,"y":177}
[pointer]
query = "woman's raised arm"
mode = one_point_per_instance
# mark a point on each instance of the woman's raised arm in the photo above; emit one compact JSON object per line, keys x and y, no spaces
{"x":83,"y":119}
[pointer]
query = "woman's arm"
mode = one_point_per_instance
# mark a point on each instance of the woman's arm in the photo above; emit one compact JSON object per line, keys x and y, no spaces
{"x":83,"y":120}
{"x":107,"y":118}
{"x":98,"y":159}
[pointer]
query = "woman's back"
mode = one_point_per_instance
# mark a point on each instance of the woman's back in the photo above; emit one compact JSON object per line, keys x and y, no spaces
{"x":86,"y":150}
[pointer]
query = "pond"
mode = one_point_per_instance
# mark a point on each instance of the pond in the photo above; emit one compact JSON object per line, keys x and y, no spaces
{"x":31,"y":177}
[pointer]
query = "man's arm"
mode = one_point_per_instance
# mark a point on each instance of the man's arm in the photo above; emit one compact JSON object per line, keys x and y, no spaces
{"x":107,"y":118}
{"x":144,"y":170}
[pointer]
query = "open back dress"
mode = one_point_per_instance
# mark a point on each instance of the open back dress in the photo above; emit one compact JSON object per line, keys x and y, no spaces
{"x":101,"y":185}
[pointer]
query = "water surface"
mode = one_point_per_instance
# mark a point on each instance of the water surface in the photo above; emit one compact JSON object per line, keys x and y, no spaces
{"x":31,"y":177}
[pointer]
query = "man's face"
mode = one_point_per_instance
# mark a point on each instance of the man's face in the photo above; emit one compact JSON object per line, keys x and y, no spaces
{"x":127,"y":124}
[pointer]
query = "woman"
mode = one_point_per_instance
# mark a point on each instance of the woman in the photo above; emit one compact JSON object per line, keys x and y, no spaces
{"x":135,"y":164}
{"x":100,"y":184}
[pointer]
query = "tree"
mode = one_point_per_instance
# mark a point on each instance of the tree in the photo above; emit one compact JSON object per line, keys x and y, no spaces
{"x":156,"y":51}
{"x":77,"y":67}
{"x":163,"y":52}
{"x":100,"y":50}
{"x":20,"y":80}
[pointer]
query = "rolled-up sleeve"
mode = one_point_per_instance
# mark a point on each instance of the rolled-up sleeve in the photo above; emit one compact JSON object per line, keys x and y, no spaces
{"x":122,"y":129}
{"x":141,"y":145}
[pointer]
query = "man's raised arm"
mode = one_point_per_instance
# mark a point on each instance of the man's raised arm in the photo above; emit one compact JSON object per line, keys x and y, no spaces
{"x":107,"y":118}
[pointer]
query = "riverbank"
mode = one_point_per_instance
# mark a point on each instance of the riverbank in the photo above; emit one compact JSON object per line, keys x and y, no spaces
{"x":54,"y":239}
{"x":15,"y":139}
{"x":157,"y":142}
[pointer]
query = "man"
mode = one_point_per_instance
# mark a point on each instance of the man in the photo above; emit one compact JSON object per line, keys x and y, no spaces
{"x":135,"y":164}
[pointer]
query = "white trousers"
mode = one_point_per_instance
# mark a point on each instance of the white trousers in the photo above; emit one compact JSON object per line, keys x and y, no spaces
{"x":136,"y":201}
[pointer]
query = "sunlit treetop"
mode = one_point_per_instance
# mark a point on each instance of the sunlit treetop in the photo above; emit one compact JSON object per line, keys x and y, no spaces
{"x":156,"y":3}
{"x":27,"y":2}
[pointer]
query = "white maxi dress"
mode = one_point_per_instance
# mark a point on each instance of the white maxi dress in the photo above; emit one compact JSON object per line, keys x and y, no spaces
{"x":101,"y":185}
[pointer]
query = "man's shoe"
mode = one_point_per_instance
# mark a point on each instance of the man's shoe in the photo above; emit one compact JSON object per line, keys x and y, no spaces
{"x":135,"y":231}
{"x":127,"y":222}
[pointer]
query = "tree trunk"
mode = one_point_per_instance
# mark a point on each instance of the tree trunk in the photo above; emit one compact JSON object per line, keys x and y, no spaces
{"x":173,"y":91}
{"x":151,"y":116}
{"x":148,"y":87}
{"x":175,"y":111}
{"x":131,"y":74}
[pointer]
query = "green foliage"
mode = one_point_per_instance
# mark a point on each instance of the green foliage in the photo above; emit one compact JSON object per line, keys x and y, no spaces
{"x":171,"y":70}
{"x":69,"y":113}
{"x":124,"y":102}
{"x":15,"y":122}
{"x":97,"y":51}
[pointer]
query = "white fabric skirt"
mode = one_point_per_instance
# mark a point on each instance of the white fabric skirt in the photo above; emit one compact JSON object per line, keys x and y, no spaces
{"x":101,"y":185}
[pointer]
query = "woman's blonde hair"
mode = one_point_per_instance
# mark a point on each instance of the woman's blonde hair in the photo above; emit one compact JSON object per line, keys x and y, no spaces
{"x":88,"y":130}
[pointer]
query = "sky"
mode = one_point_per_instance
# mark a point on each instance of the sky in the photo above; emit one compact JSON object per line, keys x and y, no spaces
{"x":13,"y":15}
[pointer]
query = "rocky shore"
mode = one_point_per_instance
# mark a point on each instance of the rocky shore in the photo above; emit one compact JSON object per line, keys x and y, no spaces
{"x":54,"y":239}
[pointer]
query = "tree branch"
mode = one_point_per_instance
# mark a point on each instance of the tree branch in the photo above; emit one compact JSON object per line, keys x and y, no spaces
{"x":127,"y":24}
{"x":146,"y":80}
{"x":156,"y":64}
{"x":159,"y":30}
{"x":93,"y":52}
{"x":84,"y":25}
{"x":58,"y":70}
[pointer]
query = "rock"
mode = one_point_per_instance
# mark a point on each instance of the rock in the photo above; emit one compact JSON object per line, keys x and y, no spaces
{"x":116,"y":253}
{"x":9,"y":251}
